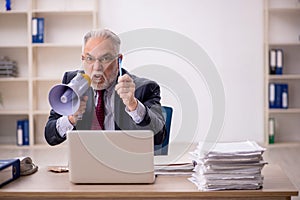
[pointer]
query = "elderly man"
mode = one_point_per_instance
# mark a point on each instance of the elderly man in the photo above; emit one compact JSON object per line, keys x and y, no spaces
{"x":116,"y":100}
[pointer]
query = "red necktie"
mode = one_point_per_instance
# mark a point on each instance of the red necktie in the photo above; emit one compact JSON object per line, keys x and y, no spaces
{"x":100,"y":108}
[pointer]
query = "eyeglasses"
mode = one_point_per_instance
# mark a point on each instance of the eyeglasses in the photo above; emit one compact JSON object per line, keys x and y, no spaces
{"x":90,"y":60}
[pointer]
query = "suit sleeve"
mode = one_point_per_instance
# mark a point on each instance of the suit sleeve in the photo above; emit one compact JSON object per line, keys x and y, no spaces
{"x":150,"y":97}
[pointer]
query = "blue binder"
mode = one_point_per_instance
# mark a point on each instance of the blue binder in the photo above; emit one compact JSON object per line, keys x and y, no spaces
{"x":274,"y":98}
{"x":278,"y":95}
{"x":276,"y":61}
{"x":37,"y":30}
{"x":9,"y":171}
{"x":26,"y":132}
{"x":279,"y":61}
{"x":24,"y":124}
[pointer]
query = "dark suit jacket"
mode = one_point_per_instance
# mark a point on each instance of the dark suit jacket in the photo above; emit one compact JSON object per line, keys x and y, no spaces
{"x":147,"y":92}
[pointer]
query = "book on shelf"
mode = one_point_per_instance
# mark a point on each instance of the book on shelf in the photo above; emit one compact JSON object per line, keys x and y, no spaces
{"x":278,"y":95}
{"x":23,"y":132}
{"x":37,"y":30}
{"x":276,"y":61}
{"x":9,"y":171}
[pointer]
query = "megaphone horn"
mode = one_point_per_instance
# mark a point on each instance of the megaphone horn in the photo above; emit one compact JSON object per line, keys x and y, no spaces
{"x":65,"y":99}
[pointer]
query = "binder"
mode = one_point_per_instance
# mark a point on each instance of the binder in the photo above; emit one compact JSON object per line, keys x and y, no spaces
{"x":22,"y":132}
{"x":272,"y":95}
{"x":272,"y":61}
{"x":9,"y":171}
{"x":275,"y":96}
{"x":284,"y":93}
{"x":271,"y":130}
{"x":25,"y":132}
{"x":8,"y":5}
{"x":278,"y":95}
{"x":276,"y":61}
{"x":37,"y":30}
{"x":279,"y":61}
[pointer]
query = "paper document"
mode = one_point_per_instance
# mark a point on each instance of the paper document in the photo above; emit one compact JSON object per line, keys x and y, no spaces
{"x":233,"y":165}
{"x":174,"y":169}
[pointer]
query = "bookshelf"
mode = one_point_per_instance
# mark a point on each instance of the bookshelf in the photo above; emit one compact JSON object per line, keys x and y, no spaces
{"x":40,"y":65}
{"x":282,"y":31}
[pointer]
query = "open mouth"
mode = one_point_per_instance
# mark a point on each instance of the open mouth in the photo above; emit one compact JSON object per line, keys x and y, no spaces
{"x":98,"y":78}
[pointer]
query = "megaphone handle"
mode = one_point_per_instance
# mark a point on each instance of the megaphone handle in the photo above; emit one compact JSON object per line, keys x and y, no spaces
{"x":79,"y":116}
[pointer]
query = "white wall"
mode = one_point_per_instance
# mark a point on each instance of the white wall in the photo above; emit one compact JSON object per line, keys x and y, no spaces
{"x":231,"y":33}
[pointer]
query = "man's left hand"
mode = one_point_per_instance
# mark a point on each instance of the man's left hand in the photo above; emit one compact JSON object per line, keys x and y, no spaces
{"x":125,"y":89}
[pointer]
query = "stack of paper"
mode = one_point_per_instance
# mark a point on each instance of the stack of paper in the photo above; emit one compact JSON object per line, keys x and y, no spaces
{"x":185,"y":169}
{"x":8,"y":68}
{"x":228,"y":166}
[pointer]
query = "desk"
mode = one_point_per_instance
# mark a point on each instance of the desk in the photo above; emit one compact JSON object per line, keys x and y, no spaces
{"x":48,"y":185}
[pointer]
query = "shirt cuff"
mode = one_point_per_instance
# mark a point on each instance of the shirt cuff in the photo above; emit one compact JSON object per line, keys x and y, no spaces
{"x":63,"y":125}
{"x":138,"y":114}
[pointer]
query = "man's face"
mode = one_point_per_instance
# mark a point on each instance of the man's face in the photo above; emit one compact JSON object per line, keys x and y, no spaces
{"x":104,"y":72}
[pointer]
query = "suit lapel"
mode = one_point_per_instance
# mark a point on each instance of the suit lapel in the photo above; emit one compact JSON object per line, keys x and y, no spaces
{"x":118,"y":115}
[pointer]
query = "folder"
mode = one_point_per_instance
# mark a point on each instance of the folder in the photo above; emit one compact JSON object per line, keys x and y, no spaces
{"x":272,"y":95}
{"x":279,"y":61}
{"x":271,"y":130}
{"x":23,"y":132}
{"x":37,"y":30}
{"x":278,"y":95}
{"x":19,"y":132}
{"x":9,"y":171}
{"x":272,"y":61}
{"x":284,"y":93}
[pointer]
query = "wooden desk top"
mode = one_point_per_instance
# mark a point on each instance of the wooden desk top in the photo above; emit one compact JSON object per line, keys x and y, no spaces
{"x":45,"y":184}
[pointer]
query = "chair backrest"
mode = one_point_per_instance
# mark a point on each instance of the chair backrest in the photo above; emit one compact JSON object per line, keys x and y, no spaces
{"x":163,"y":148}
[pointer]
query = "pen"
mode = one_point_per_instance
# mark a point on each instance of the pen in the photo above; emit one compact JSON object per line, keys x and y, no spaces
{"x":120,"y":66}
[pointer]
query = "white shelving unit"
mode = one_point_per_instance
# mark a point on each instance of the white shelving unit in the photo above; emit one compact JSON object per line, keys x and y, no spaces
{"x":40,"y":65}
{"x":282,"y":31}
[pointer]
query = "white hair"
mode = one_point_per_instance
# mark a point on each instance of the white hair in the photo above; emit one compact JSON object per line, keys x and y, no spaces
{"x":105,"y":34}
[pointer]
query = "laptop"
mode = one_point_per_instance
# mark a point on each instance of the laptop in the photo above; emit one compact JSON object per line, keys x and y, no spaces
{"x":98,"y":156}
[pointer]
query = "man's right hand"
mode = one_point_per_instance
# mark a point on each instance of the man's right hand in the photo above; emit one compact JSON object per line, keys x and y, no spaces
{"x":78,"y":114}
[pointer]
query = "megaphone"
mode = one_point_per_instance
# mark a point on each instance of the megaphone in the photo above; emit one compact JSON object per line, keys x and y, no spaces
{"x":65,"y":99}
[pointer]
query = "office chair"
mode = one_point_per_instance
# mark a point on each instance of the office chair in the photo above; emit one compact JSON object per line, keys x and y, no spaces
{"x":162,"y":149}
